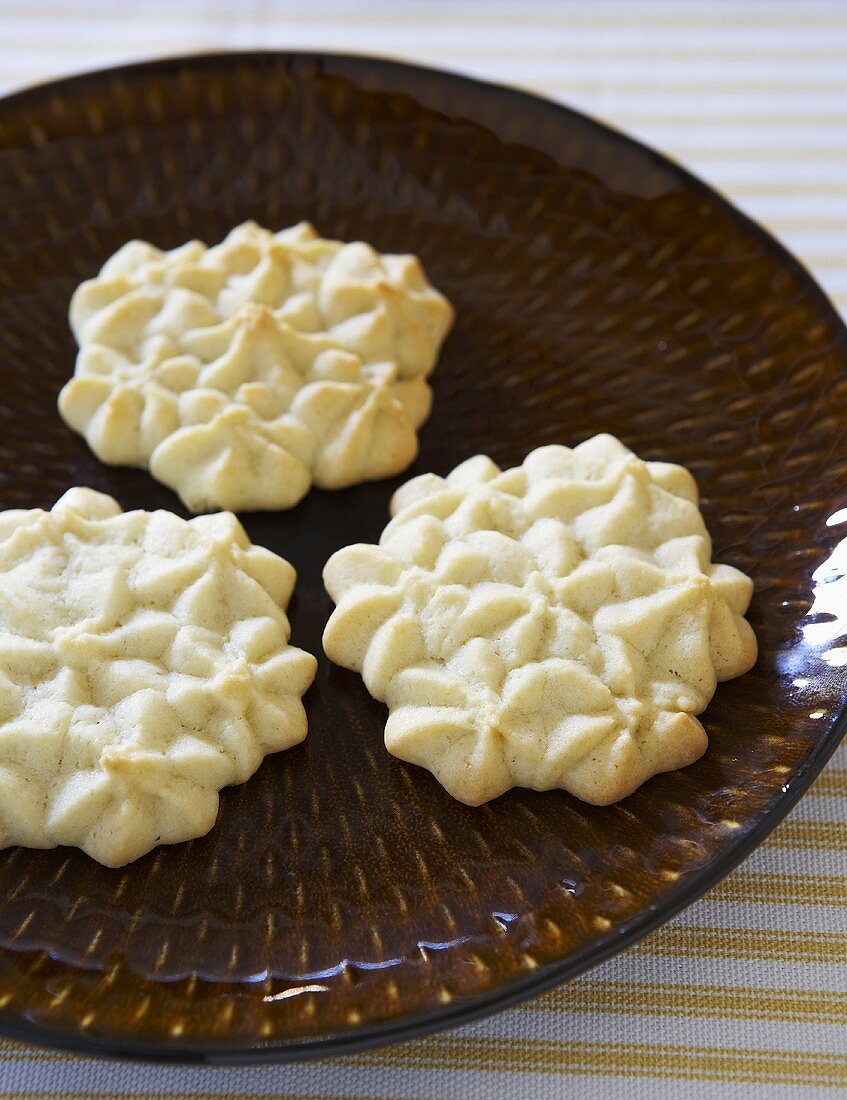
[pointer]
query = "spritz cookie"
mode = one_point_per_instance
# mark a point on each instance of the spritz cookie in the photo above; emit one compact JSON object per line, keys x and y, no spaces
{"x":242,"y":374}
{"x":558,"y":624}
{"x":144,"y":664}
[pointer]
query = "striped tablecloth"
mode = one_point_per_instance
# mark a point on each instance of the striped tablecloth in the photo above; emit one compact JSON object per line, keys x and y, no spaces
{"x":745,"y":994}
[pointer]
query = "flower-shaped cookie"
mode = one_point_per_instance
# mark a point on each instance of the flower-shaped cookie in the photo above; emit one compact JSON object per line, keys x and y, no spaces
{"x":144,"y":664}
{"x":558,"y":624}
{"x":243,"y":373}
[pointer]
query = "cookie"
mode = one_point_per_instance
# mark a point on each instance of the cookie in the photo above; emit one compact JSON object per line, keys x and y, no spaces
{"x":242,"y":374}
{"x":558,"y":624}
{"x":144,"y":664}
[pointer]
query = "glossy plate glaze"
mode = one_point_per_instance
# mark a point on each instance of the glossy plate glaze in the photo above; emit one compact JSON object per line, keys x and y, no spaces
{"x":343,"y":898}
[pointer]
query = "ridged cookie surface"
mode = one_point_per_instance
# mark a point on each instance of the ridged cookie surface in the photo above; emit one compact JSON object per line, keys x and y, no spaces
{"x":558,"y":624}
{"x":144,"y":664}
{"x":241,"y":374}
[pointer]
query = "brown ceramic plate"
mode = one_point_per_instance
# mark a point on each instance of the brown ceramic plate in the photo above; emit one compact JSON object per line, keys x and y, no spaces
{"x":343,"y":898}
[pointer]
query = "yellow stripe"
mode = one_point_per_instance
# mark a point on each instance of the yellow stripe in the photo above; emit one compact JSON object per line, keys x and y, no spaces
{"x":823,"y":153}
{"x":684,"y":84}
{"x":436,"y":52}
{"x":637,"y":52}
{"x":815,"y":261}
{"x":834,"y":780}
{"x":629,"y":82}
{"x":776,"y":889}
{"x":452,"y":15}
{"x":809,"y":224}
{"x":745,"y":118}
{"x":554,"y":51}
{"x":612,"y":1060}
{"x":819,"y":835}
{"x":687,"y":1001}
{"x":564,"y":49}
{"x":785,"y":187}
{"x":705,"y":942}
{"x":557,"y":51}
{"x":457,"y":1052}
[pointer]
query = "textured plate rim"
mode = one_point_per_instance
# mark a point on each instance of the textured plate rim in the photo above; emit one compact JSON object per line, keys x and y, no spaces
{"x":651,"y":917}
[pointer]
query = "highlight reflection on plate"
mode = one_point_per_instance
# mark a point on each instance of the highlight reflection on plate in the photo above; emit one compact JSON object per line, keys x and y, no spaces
{"x":343,"y":898}
{"x":828,"y":613}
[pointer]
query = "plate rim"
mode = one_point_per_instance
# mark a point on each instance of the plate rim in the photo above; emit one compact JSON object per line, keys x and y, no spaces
{"x":647,"y":920}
